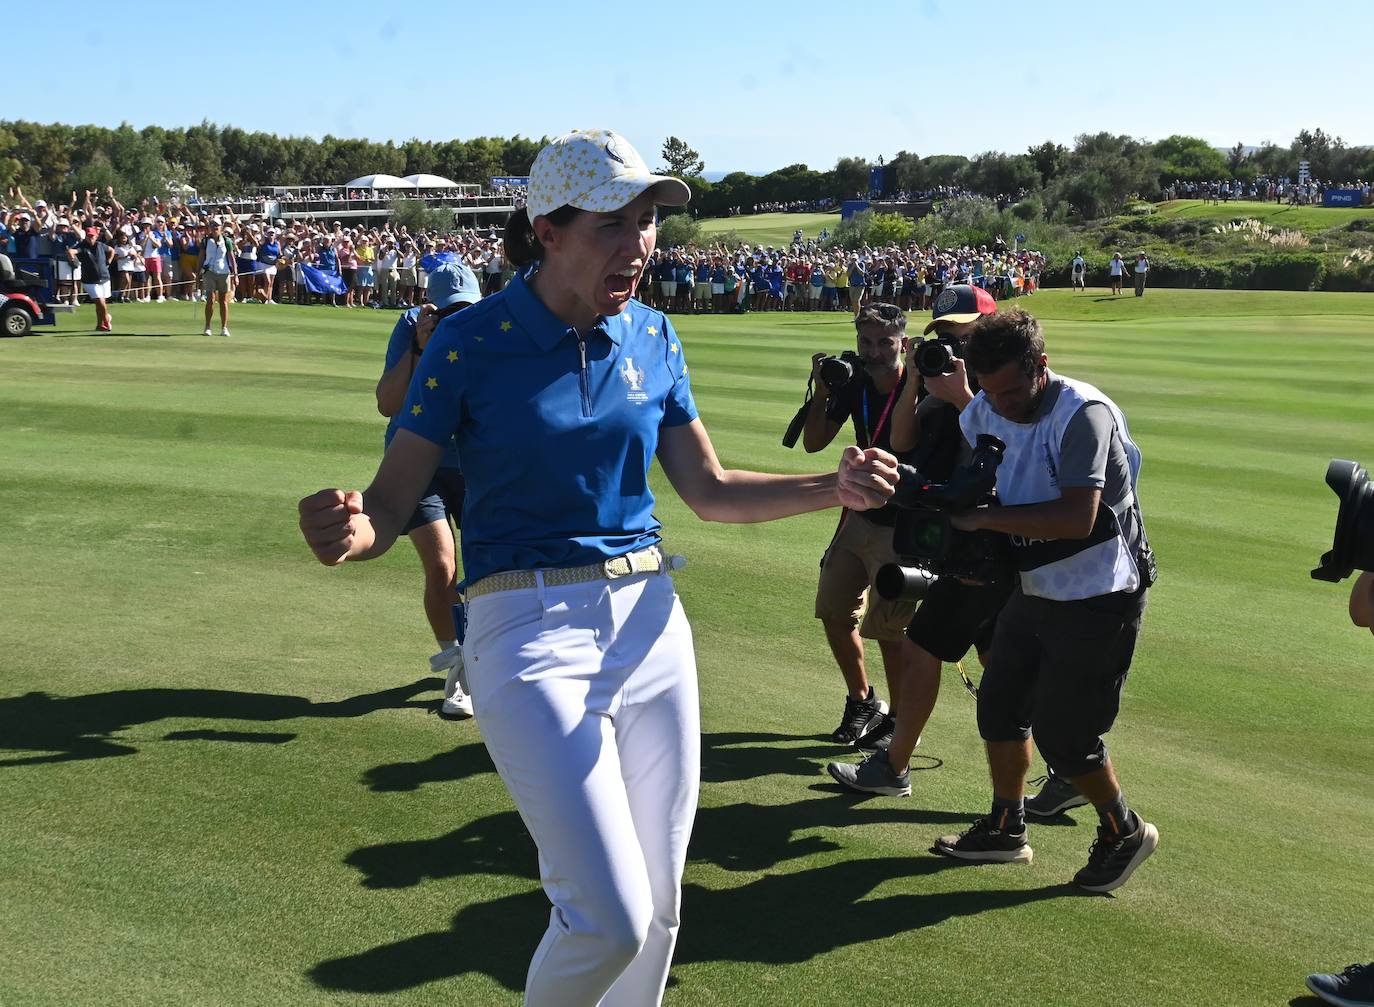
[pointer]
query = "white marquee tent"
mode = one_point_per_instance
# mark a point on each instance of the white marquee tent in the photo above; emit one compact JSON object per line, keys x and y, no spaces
{"x":379,"y":182}
{"x":423,"y":181}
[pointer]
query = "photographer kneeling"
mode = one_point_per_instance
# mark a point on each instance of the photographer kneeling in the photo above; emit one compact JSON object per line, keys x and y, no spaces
{"x":865,"y":387}
{"x":1065,"y":639}
{"x":957,"y":613}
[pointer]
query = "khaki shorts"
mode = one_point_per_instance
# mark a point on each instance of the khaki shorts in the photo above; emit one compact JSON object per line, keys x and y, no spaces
{"x":215,"y":283}
{"x":845,"y":594}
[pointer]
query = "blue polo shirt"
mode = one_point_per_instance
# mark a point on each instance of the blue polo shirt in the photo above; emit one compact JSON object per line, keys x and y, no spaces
{"x":556,"y":436}
{"x":396,"y":350}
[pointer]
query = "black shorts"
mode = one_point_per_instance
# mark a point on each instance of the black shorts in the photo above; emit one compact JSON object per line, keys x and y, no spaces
{"x":443,"y":499}
{"x":955,"y":616}
{"x":1057,"y":669}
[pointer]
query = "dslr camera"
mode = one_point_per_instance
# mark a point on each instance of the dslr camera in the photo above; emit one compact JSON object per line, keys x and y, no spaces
{"x":837,"y":373}
{"x":1352,"y":546}
{"x":936,"y":356}
{"x":927,"y":541}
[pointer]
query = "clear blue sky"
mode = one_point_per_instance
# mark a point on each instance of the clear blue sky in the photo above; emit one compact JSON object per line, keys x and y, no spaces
{"x":752,"y":86}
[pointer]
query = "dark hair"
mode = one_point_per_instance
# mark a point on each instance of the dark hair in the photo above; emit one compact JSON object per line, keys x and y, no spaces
{"x":998,"y":340}
{"x":521,"y":246}
{"x":889,"y":316}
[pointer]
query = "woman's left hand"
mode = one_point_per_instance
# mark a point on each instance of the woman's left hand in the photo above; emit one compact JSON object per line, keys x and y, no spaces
{"x":866,"y":478}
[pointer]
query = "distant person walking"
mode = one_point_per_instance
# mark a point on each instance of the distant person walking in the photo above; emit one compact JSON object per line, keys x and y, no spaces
{"x":1142,"y":269}
{"x":1116,"y":269}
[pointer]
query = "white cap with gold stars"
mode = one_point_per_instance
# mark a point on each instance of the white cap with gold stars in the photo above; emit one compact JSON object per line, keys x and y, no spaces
{"x":597,"y":170}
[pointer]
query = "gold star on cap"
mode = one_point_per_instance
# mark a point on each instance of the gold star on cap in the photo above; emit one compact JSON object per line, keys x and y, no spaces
{"x":416,"y":409}
{"x":452,"y":356}
{"x":433,"y":383}
{"x":505,"y":326}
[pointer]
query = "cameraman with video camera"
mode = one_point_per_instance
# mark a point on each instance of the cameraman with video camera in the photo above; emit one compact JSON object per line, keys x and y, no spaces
{"x":956,"y":614}
{"x":1065,"y":639}
{"x":864,"y":387}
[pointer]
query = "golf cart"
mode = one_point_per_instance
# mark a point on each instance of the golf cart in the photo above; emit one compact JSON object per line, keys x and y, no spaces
{"x":26,"y":295}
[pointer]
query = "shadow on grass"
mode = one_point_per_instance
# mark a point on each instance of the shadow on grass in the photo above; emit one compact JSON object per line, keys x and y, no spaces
{"x":68,"y":728}
{"x":730,"y":756}
{"x":778,"y":919}
{"x":120,"y":335}
{"x":725,"y":757}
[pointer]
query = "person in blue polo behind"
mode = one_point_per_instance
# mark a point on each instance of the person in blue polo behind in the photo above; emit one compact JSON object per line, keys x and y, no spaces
{"x":452,"y":287}
{"x":561,"y":390}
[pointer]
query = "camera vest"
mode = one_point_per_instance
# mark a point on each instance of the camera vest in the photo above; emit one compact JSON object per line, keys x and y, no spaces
{"x":1061,"y":569}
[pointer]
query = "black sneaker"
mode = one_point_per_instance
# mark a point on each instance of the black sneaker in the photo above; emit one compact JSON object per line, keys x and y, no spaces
{"x":1056,"y":796}
{"x":872,"y":776}
{"x":985,"y":844}
{"x":1352,"y":988}
{"x":859,"y":716}
{"x":878,"y":737}
{"x":1113,"y":857}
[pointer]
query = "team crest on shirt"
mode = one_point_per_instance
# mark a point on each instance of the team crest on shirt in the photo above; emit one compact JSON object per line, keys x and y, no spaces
{"x":634,"y":381}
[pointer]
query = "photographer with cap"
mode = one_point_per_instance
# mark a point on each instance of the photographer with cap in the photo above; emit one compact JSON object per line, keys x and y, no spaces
{"x":1064,"y":641}
{"x":452,"y":287}
{"x":955,"y":615}
{"x":561,"y":389}
{"x":846,"y":604}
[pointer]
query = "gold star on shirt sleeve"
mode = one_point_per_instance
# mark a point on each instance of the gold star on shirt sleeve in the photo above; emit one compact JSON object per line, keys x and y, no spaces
{"x":452,"y":356}
{"x":432,"y":383}
{"x":505,"y":326}
{"x":416,"y":409}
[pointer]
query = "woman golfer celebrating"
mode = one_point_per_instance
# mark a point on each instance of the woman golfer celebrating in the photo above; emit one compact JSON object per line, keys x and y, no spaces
{"x":560,"y":391}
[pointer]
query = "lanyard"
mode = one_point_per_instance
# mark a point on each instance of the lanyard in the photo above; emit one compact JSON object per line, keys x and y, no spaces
{"x":882,"y":419}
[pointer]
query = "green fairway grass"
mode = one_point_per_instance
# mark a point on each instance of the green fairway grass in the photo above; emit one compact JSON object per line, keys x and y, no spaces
{"x":222,"y":781}
{"x":1299,"y":218}
{"x":774,"y":229}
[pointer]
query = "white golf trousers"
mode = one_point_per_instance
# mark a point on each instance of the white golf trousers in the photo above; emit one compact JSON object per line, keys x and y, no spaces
{"x":586,"y":695}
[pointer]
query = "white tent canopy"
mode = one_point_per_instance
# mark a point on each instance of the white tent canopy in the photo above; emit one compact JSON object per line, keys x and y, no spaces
{"x":378,"y":182}
{"x":423,"y":181}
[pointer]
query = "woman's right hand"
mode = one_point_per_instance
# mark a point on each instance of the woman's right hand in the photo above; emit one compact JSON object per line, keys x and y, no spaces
{"x":334,"y":525}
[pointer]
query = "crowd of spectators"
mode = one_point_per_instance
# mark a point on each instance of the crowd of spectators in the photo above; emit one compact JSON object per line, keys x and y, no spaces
{"x":806,"y":276}
{"x":1282,"y":190}
{"x":155,"y":252}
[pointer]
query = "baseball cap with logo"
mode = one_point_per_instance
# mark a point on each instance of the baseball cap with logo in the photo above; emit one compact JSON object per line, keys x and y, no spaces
{"x":961,"y":302}
{"x":452,"y":282}
{"x":596,"y":170}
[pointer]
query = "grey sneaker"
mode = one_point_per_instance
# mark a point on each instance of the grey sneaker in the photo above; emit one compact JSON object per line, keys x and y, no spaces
{"x":872,"y":776}
{"x":1056,"y":796}
{"x":983,"y":843}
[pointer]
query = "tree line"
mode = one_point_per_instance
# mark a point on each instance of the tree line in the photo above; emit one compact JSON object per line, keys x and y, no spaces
{"x":53,"y":159}
{"x":1095,"y":177}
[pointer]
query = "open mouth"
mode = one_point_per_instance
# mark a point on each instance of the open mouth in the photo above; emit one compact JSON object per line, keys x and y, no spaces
{"x":621,"y":285}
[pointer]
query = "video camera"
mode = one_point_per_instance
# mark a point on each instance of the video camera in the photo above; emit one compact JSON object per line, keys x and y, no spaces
{"x":1352,"y":546}
{"x":927,"y":541}
{"x":837,"y":372}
